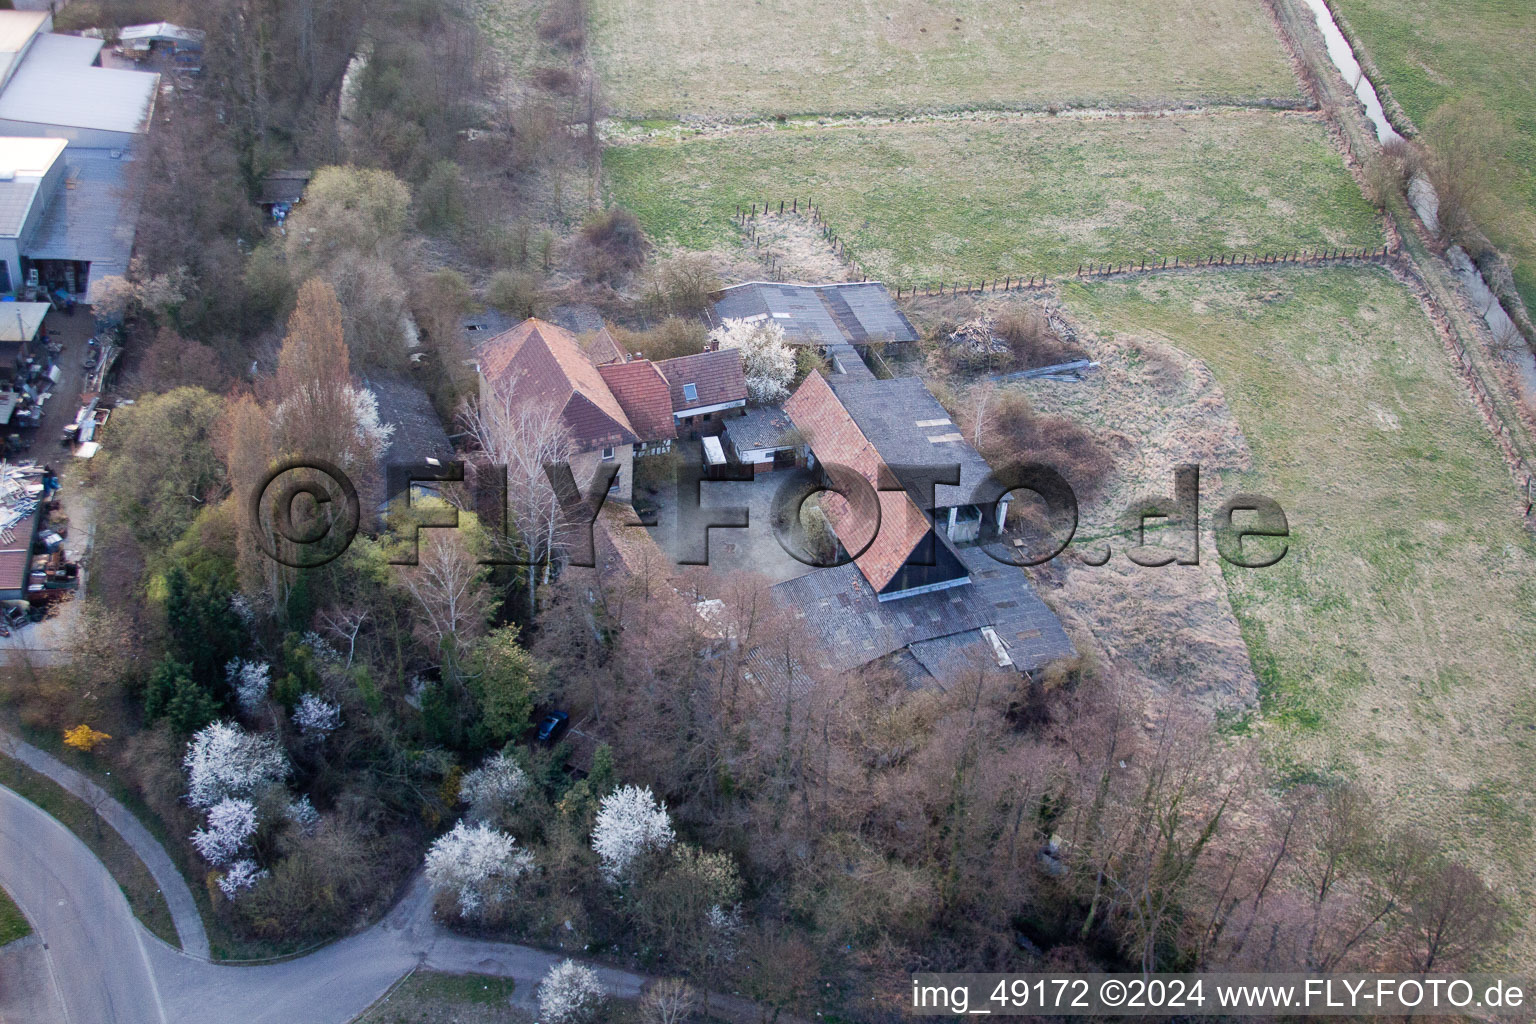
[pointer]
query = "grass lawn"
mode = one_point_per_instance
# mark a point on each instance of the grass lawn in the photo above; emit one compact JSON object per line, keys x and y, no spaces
{"x":1431,"y":51}
{"x":969,"y":199}
{"x":427,"y":997}
{"x":13,"y":925}
{"x":129,"y":872}
{"x":1393,"y":642}
{"x":745,"y":61}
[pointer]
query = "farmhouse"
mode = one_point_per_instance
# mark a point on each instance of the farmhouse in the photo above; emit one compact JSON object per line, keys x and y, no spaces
{"x":927,"y":591}
{"x":539,"y":364}
{"x":614,"y":409}
{"x":705,"y":388}
{"x":819,"y":314}
{"x":646,"y":398}
{"x":908,"y":427}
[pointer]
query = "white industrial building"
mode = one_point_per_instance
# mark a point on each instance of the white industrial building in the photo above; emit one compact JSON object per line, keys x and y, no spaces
{"x":67,"y":130}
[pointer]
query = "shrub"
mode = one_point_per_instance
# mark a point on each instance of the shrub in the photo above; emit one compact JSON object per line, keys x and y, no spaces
{"x":561,"y":81}
{"x":224,"y":760}
{"x":1031,"y":340}
{"x":494,"y":789}
{"x":477,"y":867}
{"x":440,"y":202}
{"x":630,"y":823}
{"x":513,"y":293}
{"x":613,"y":244}
{"x":1015,"y":432}
{"x":564,"y":23}
{"x":681,"y":285}
{"x":766,"y":359}
{"x":669,"y":339}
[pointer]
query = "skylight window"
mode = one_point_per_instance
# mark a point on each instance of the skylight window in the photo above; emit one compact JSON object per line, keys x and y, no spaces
{"x":691,"y":392}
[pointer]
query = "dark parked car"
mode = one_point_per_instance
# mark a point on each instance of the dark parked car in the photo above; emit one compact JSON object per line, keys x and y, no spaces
{"x":552,"y":725}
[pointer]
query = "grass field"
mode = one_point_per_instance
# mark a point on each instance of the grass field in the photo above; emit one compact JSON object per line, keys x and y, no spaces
{"x":667,"y":58}
{"x":13,"y":925}
{"x":428,"y":997}
{"x":127,"y":870}
{"x":1393,"y":642}
{"x":1431,"y":51}
{"x":963,"y":199}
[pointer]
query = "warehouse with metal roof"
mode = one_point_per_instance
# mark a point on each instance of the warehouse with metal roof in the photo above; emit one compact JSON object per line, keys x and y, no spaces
{"x":818,"y":314}
{"x":56,"y":91}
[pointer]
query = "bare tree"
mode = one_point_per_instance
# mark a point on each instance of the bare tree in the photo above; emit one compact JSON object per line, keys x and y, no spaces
{"x":344,"y":624}
{"x":527,"y":437}
{"x":1467,"y":149}
{"x":1452,"y":919}
{"x":979,"y":398}
{"x":668,"y":1001}
{"x":449,"y":586}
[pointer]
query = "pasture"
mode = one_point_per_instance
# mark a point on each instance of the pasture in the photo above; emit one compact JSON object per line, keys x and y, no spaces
{"x":733,"y":62}
{"x":916,"y":202}
{"x":1432,"y":51}
{"x":1392,"y":644}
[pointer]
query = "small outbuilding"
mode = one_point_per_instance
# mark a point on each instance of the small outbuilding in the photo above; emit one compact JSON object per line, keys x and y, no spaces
{"x":765,"y":439}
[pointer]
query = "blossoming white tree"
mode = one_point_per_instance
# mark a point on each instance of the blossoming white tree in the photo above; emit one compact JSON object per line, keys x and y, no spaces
{"x":251,"y":681}
{"x":493,"y":789}
{"x":766,"y":360}
{"x":316,"y":716}
{"x":629,"y":823}
{"x":478,"y":866}
{"x":231,"y":823}
{"x":240,"y":876}
{"x":223,"y":760}
{"x":302,"y":814}
{"x":569,"y":994}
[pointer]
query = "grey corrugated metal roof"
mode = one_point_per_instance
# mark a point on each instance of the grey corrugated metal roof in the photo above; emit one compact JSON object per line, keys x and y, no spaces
{"x":856,"y":628}
{"x":65,"y":51}
{"x":762,"y":427}
{"x":53,"y":87}
{"x":481,"y":327}
{"x":162,"y":30}
{"x":908,"y":427}
{"x":819,"y":314}
{"x":15,"y":200}
{"x":418,"y":433}
{"x":92,"y":215}
{"x":847,"y":359}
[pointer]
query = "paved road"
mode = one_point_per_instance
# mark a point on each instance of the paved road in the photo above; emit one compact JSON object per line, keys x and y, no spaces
{"x":100,"y":965}
{"x":108,"y":968}
{"x":96,"y":953}
{"x":189,"y":923}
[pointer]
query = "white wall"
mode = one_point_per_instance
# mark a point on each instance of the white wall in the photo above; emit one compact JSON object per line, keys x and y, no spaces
{"x":81,"y":138}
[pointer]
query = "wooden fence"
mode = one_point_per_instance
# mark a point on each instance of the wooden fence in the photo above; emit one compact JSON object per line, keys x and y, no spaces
{"x":1235,"y":259}
{"x":746,"y":219}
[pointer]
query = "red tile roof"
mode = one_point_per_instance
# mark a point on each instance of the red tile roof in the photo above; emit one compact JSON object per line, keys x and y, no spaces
{"x":835,"y":438}
{"x":541,"y":362}
{"x":717,"y":376}
{"x":642,"y":391}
